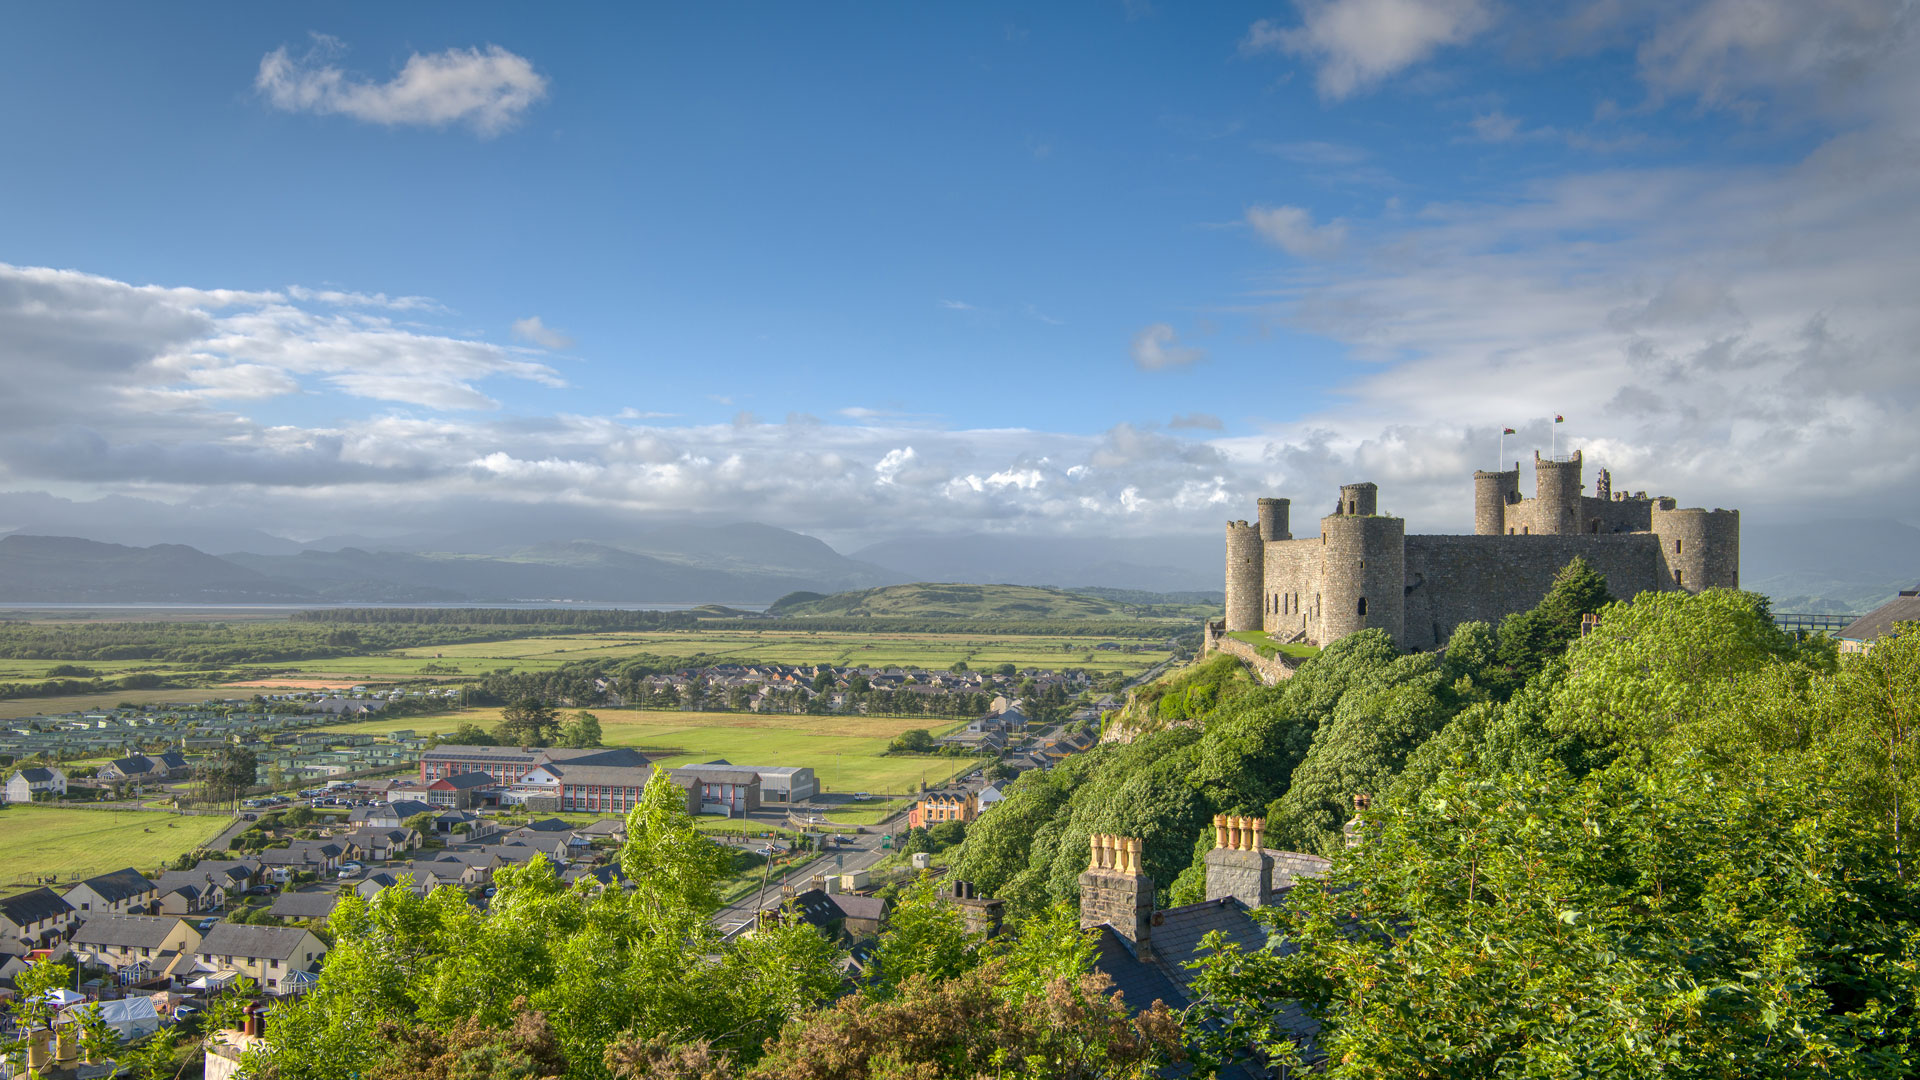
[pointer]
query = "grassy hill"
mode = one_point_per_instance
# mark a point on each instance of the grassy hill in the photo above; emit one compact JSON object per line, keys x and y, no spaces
{"x":955,"y":602}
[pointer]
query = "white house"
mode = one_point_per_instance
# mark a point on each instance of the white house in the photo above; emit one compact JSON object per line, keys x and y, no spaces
{"x":24,"y":784}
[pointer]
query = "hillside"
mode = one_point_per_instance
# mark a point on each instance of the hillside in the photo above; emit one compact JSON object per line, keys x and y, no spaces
{"x":62,"y":569}
{"x":949,"y":601}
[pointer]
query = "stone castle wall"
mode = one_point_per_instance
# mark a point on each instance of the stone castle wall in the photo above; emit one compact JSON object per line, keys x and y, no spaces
{"x":1363,"y":571}
{"x":1457,"y":579}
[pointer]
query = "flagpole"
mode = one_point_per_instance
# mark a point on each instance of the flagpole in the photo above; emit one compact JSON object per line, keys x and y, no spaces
{"x":1501,"y":460}
{"x":1553,"y":447}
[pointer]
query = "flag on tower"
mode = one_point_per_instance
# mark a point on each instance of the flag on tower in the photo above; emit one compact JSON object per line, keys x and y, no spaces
{"x":1558,"y":419}
{"x":1506,"y":431}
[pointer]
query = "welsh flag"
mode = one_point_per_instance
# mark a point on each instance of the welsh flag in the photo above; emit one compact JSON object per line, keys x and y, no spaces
{"x":1558,"y":419}
{"x":1506,"y":431}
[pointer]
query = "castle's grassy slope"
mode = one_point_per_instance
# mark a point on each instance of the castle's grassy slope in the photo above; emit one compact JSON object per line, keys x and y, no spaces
{"x":955,"y":602}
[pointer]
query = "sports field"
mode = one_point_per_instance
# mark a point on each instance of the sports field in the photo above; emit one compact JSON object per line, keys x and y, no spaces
{"x":846,"y":753}
{"x":80,"y":843}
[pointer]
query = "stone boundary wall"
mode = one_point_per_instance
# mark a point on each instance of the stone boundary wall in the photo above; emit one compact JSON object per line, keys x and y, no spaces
{"x":1268,"y":669}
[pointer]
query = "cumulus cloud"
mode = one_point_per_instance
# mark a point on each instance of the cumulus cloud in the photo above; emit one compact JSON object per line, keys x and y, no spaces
{"x":1358,"y":43}
{"x":535,"y":332}
{"x":1156,"y":347}
{"x":488,"y":90}
{"x":1291,"y":229}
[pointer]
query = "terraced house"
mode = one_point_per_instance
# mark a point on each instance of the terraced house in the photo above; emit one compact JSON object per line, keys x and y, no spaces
{"x":35,"y":920}
{"x":279,"y":958}
{"x":136,"y":946}
{"x":123,"y":892}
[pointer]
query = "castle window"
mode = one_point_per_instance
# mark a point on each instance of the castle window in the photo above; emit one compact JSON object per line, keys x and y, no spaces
{"x":1526,"y":530}
{"x":1676,"y":547}
{"x":1509,"y":530}
{"x":1594,"y":525}
{"x":1436,"y":633}
{"x":1363,"y":605}
{"x":1353,"y":506}
{"x":1679,"y":578}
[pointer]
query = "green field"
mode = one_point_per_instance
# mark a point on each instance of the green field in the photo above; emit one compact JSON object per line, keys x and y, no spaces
{"x":846,"y":753}
{"x":79,"y":843}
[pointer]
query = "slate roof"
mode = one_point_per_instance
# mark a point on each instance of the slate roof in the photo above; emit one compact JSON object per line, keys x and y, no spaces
{"x":552,"y":824}
{"x":1879,"y":622}
{"x":119,"y":885}
{"x":304,"y":905}
{"x":871,"y":908}
{"x":466,"y":780}
{"x":30,"y":907}
{"x":635,"y":776}
{"x":37,"y":775}
{"x":137,"y":931}
{"x":241,"y":939}
{"x":1176,"y":936}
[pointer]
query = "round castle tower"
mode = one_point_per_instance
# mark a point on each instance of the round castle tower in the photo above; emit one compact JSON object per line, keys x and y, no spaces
{"x":1556,"y":510}
{"x":1363,"y":572}
{"x":1246,"y":575}
{"x":1493,"y":492}
{"x":1700,"y":548}
{"x":1273,"y":519}
{"x":1361,"y":499}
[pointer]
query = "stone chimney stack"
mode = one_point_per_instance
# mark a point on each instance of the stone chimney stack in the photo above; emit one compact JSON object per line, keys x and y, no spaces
{"x":1361,"y":801}
{"x":1116,"y":891}
{"x":984,"y":915}
{"x":1239,"y":866}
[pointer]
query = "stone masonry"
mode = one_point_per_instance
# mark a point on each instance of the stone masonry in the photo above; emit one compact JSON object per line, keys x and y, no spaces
{"x":1364,"y":571}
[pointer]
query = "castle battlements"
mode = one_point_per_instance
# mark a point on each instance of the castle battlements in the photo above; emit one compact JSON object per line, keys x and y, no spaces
{"x":1363,"y":570}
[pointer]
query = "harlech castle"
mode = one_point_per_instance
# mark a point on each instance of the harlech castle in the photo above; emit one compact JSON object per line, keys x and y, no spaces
{"x":1363,"y":570}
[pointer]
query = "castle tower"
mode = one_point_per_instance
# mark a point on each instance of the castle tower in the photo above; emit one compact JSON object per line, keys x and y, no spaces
{"x":1493,"y":492}
{"x":1700,"y":548}
{"x":1115,"y":891}
{"x":1556,"y":485}
{"x":1246,"y":576}
{"x":1273,"y":519}
{"x":1361,"y":499}
{"x":1363,"y":573}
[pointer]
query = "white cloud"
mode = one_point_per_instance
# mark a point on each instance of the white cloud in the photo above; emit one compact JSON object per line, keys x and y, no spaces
{"x":1291,"y":229}
{"x":956,"y":305}
{"x":1358,"y":43}
{"x":1156,"y":348}
{"x":488,"y":90}
{"x":532,"y":330}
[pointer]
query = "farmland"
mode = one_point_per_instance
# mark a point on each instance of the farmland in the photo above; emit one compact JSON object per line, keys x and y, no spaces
{"x":846,"y":753}
{"x":75,"y":843}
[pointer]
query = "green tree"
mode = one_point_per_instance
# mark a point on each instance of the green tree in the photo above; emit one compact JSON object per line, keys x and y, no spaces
{"x":471,"y":734}
{"x":925,"y":937}
{"x":228,"y":773}
{"x":673,"y":868}
{"x":581,"y":731}
{"x":152,"y":1058}
{"x":1528,"y":639}
{"x":1668,"y":921}
{"x":1872,"y":708}
{"x":915,"y":741}
{"x":527,"y":722}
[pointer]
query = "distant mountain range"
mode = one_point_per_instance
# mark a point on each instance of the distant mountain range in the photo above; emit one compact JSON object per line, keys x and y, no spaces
{"x":50,"y":569}
{"x":123,"y":550}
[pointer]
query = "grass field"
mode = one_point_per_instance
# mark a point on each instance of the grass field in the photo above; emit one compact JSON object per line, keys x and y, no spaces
{"x":844,"y":752}
{"x":80,"y":843}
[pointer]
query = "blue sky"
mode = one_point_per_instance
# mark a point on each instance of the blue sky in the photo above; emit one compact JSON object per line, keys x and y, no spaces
{"x":863,"y":269}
